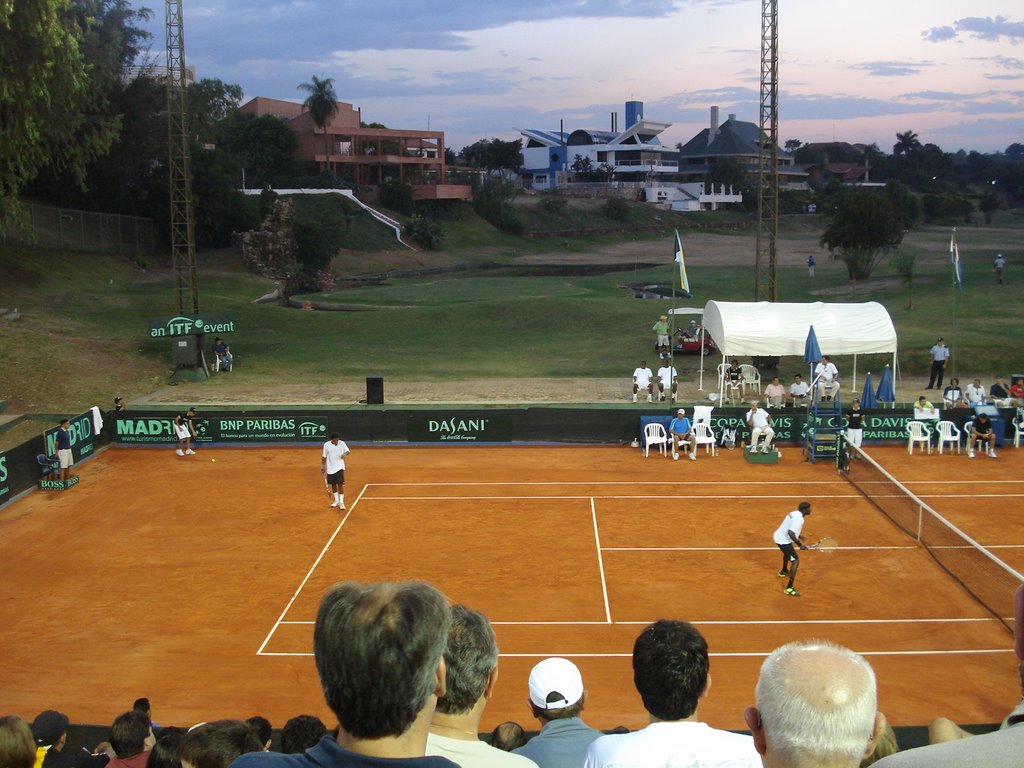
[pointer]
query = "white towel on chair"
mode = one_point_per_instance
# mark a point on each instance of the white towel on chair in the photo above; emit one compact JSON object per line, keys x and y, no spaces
{"x":97,"y":420}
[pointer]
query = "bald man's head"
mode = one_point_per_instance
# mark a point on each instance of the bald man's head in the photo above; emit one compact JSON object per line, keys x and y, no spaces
{"x":816,"y":705}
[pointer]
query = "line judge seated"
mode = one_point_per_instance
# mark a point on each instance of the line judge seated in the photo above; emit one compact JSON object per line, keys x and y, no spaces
{"x":760,"y":423}
{"x":799,"y":390}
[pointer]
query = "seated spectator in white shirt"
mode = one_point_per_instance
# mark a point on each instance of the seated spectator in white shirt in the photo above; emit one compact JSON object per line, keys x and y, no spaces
{"x":799,"y":390}
{"x":975,"y":393}
{"x":774,"y":394}
{"x":643,"y":378}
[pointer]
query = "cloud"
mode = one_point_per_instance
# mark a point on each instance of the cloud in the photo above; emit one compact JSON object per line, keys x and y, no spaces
{"x":892,"y":68}
{"x":989,"y":28}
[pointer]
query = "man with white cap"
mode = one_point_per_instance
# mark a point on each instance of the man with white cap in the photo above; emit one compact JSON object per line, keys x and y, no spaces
{"x":681,"y":431}
{"x":556,"y":699}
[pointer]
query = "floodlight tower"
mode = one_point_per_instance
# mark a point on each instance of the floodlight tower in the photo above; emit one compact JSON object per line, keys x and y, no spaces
{"x":183,"y":240}
{"x":768,"y":156}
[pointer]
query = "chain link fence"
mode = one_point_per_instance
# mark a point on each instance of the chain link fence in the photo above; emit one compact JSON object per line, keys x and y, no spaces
{"x":67,"y":229}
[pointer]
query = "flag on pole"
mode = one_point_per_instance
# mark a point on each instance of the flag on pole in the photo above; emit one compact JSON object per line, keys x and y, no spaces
{"x":954,"y":258}
{"x":684,"y":282}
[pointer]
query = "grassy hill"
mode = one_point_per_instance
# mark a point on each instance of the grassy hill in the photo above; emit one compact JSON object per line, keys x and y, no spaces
{"x":81,"y":338}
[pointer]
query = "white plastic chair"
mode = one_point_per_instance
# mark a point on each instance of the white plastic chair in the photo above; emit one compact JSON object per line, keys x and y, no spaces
{"x":917,"y":432}
{"x":704,"y":435}
{"x":1018,"y":426}
{"x":654,"y":434}
{"x":751,"y":378}
{"x":948,"y":433}
{"x":702,"y":414}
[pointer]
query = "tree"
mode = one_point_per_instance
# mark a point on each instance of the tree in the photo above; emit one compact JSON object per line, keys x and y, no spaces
{"x":582,"y":165}
{"x":905,"y":204}
{"x":792,"y":145}
{"x":263,"y":146}
{"x":493,"y":154}
{"x":44,"y":92}
{"x":726,"y":171}
{"x":990,"y":203}
{"x":864,"y":227}
{"x":906,"y":143}
{"x":322,"y":104}
{"x":210,"y":103}
{"x":904,"y":264}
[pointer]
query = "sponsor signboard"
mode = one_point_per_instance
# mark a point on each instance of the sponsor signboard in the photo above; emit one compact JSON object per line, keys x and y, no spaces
{"x":83,"y":439}
{"x":459,"y":427}
{"x":190,"y":325}
{"x":228,"y":429}
{"x":5,"y":481}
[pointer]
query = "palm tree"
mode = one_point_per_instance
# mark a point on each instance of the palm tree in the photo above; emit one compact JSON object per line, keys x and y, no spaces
{"x":906,"y":143}
{"x":322,"y":105}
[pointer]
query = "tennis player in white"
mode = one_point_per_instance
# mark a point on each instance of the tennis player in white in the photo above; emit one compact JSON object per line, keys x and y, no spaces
{"x":786,"y":536}
{"x":333,"y":466}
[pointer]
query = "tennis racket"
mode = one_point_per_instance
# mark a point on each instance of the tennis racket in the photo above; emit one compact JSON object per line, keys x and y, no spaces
{"x":827,"y":544}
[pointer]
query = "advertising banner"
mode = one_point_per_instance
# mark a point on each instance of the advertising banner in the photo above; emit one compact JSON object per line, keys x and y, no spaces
{"x":5,"y":478}
{"x":190,"y":325}
{"x":240,"y":428}
{"x":460,"y":427}
{"x":83,"y":437}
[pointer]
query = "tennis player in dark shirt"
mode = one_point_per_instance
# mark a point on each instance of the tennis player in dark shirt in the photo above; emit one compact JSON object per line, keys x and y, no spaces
{"x":982,"y":432}
{"x":855,"y":424}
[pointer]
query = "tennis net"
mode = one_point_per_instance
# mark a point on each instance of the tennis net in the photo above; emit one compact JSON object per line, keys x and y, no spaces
{"x":987,"y":578}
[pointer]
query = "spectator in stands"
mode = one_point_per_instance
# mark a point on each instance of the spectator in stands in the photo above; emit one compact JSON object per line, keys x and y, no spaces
{"x":50,"y":733}
{"x":1017,"y":392}
{"x":508,"y":736}
{"x":300,"y":733}
{"x":998,"y":749}
{"x":975,"y":393}
{"x":828,"y":378}
{"x":798,"y":390}
{"x":218,"y":744}
{"x":643,"y":378}
{"x":165,"y":753}
{"x":262,"y":728}
{"x":775,"y":394}
{"x":1000,"y":394}
{"x":733,"y":380}
{"x":816,"y":706}
{"x":667,"y":379}
{"x":885,"y":746}
{"x":471,"y":661}
{"x":119,"y":406}
{"x":17,"y":747}
{"x":557,"y":697}
{"x":131,"y":735}
{"x":924,"y":404}
{"x":379,"y":654}
{"x":953,"y":395}
{"x":670,"y":671}
{"x":222,"y":353}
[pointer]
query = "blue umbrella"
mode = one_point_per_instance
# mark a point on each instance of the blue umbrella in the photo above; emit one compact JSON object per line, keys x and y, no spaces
{"x":812,"y":352}
{"x":886,"y":393}
{"x":868,"y":399}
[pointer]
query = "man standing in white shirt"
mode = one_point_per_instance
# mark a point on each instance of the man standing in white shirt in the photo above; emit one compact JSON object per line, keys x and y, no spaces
{"x":333,"y":467}
{"x":760,"y":423}
{"x":940,"y":355}
{"x":670,"y":671}
{"x":787,"y":538}
{"x":643,"y":378}
{"x":828,"y":378}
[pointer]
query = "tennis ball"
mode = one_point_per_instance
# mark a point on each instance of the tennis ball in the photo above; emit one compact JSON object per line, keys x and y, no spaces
{"x":212,"y":459}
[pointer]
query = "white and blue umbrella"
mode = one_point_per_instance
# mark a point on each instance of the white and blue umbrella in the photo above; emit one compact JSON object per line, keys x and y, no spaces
{"x":868,"y":399}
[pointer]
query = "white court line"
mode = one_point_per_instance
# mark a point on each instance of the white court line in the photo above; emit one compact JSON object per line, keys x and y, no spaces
{"x":309,"y":573}
{"x":728,"y":622}
{"x":600,"y":563}
{"x":742,"y":549}
{"x":750,"y":654}
{"x":629,"y":496}
{"x":838,"y":481}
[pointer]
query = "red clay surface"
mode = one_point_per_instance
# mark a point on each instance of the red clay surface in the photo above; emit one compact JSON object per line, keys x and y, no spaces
{"x":195,"y":582}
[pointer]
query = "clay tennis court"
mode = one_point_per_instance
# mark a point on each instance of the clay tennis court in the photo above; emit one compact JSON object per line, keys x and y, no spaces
{"x":195,"y":582}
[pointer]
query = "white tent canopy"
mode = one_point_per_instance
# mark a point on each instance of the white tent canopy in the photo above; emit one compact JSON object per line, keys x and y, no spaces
{"x":768,"y":329}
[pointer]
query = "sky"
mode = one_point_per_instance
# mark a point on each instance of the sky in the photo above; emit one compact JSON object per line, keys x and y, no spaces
{"x":848,"y":71}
